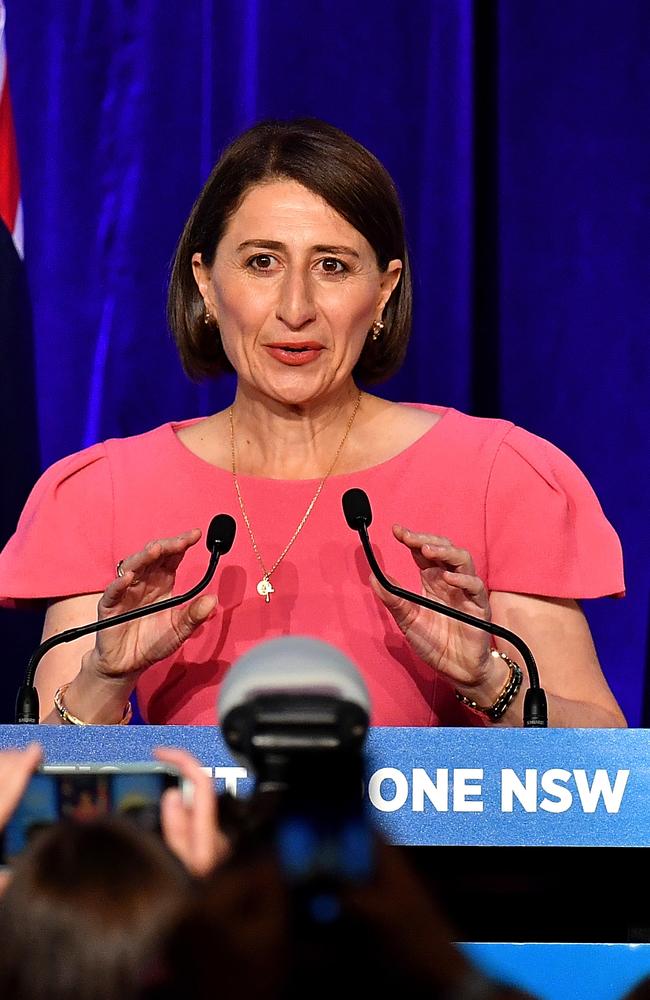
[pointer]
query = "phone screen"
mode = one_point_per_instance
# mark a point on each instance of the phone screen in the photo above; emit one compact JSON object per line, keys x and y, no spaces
{"x":82,"y":796}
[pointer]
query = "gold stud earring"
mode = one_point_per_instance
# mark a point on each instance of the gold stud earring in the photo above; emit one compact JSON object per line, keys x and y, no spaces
{"x":377,"y":328}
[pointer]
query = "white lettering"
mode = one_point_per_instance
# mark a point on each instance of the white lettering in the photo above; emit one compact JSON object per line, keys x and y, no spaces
{"x":601,"y":787}
{"x":464,"y":790}
{"x":561,"y":798}
{"x":231,"y":776}
{"x":375,"y":789}
{"x":513,"y":788}
{"x":437,"y":793}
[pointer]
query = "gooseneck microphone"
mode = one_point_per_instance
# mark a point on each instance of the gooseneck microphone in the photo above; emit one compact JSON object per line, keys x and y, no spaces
{"x":219,"y":539}
{"x":358,"y":515}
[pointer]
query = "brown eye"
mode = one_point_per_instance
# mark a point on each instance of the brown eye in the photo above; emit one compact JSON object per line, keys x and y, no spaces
{"x":261,"y":262}
{"x":332,"y":266}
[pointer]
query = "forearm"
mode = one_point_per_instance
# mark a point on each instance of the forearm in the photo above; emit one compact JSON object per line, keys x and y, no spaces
{"x":92,"y":698}
{"x":558,"y":634}
{"x":563,"y":712}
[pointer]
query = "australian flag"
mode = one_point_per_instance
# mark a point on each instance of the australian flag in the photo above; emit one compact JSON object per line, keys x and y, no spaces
{"x":19,"y":450}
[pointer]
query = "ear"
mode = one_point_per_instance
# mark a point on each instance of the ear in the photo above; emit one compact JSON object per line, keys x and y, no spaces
{"x":388,"y":283}
{"x":201,"y":274}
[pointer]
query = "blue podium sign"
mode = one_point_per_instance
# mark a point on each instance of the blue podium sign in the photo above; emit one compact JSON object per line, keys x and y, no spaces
{"x":566,"y":971}
{"x":445,"y":786}
{"x":458,"y":787}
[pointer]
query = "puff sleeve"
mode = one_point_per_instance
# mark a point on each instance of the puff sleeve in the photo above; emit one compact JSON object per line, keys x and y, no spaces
{"x":62,"y":545}
{"x":546,"y":533}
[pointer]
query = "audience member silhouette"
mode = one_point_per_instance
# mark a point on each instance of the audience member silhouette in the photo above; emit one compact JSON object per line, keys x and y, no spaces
{"x":84,"y":911}
{"x":253,"y":932}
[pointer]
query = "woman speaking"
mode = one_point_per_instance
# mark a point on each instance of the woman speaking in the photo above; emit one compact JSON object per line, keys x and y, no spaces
{"x":292,"y":271}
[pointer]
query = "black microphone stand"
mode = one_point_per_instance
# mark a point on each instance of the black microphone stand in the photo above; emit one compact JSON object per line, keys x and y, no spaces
{"x":358,"y":515}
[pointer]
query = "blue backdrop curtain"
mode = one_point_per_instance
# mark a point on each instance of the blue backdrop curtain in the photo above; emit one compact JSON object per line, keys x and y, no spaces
{"x":517,"y":135}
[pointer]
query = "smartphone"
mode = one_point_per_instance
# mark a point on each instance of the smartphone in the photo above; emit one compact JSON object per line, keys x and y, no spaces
{"x":81,"y":792}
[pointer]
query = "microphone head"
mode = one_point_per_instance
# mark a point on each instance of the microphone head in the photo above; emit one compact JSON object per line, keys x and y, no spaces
{"x":357,"y":510}
{"x":292,"y":665}
{"x":221,"y":533}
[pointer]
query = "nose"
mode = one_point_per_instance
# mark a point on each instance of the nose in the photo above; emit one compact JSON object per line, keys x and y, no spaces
{"x":296,"y":307}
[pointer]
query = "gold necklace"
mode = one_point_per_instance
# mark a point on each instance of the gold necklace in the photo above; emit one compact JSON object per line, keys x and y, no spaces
{"x":265,"y":588}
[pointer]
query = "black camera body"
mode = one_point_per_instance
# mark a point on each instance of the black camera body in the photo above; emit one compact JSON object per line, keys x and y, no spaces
{"x":303,"y":738}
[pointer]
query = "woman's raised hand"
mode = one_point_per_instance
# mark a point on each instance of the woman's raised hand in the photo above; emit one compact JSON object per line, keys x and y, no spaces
{"x":147,"y":576}
{"x":447,"y":572}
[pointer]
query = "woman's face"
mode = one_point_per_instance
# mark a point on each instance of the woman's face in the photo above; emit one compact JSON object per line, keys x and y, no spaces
{"x":294,"y":289}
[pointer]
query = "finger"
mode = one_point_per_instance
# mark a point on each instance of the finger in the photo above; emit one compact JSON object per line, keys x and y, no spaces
{"x":206,"y":843}
{"x":185,"y":762}
{"x":449,"y":555}
{"x":471,"y":585}
{"x":114,"y":594}
{"x":426,"y":548}
{"x":175,"y":824}
{"x":183,"y":759}
{"x":168,"y":553}
{"x":402,"y":611}
{"x":16,"y":768}
{"x":186,"y":620}
{"x":162,"y":549}
{"x":415,"y":539}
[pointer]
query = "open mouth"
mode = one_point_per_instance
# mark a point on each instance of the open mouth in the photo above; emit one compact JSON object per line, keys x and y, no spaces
{"x":295,"y":354}
{"x":306,"y":345}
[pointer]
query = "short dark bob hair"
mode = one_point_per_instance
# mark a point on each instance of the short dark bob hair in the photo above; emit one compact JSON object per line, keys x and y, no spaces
{"x":329,"y":163}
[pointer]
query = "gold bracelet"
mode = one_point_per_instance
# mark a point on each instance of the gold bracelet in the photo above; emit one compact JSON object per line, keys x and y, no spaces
{"x":510,"y":689}
{"x":67,"y":716}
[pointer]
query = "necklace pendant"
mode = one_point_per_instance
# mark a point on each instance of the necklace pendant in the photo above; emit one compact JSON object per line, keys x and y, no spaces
{"x":265,"y":588}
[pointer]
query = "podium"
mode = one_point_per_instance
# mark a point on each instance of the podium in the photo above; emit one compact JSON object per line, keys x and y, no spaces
{"x":532,"y":839}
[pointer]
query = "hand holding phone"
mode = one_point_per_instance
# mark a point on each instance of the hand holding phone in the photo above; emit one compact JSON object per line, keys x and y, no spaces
{"x":83,"y":792}
{"x":191,"y":827}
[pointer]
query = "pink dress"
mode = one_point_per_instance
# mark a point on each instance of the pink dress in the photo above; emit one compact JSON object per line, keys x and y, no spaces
{"x":518,"y":504}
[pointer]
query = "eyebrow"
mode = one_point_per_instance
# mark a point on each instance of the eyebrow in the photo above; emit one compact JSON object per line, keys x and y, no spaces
{"x":319,"y":247}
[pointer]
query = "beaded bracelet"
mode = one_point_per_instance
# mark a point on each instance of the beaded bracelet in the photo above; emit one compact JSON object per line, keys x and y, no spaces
{"x":496,"y":710}
{"x":67,"y":716}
